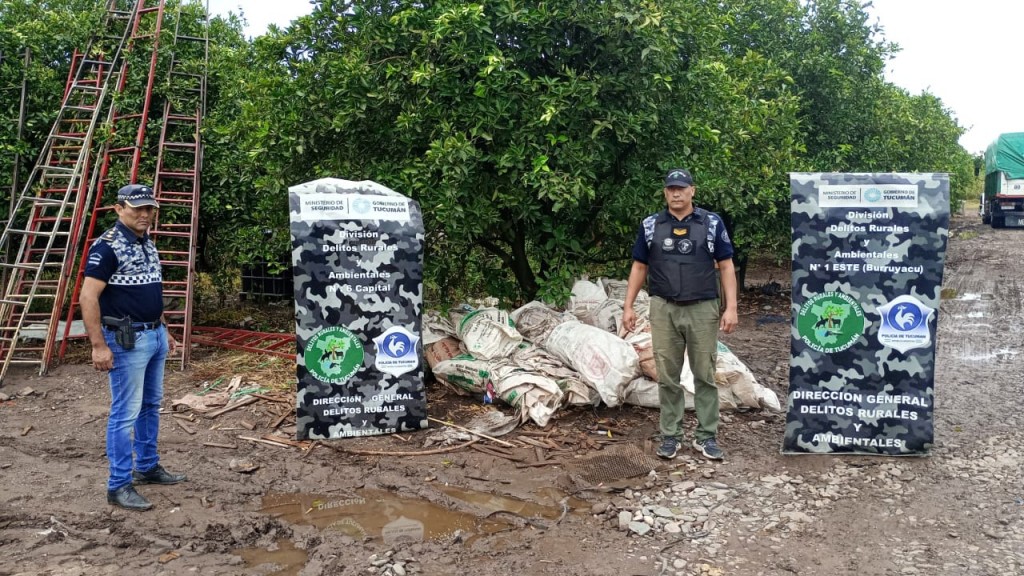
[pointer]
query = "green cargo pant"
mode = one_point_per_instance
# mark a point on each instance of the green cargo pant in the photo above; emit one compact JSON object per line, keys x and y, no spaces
{"x":691,"y":330}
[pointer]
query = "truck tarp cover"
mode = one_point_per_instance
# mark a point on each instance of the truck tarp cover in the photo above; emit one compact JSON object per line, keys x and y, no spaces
{"x":1006,"y":154}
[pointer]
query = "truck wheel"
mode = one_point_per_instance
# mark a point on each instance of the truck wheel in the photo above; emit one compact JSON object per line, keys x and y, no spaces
{"x":986,"y":218}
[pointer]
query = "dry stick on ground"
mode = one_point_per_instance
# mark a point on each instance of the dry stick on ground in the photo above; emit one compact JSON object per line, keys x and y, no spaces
{"x":490,"y":451}
{"x":272,"y":399}
{"x":538,"y":464}
{"x":482,"y":479}
{"x":243,"y":402}
{"x":386,"y":453}
{"x":280,"y":419}
{"x":219,"y":445}
{"x":532,"y":442}
{"x":309,"y":450}
{"x":537,"y":433}
{"x":184,"y":426}
{"x":457,"y":427}
{"x":268,"y":442}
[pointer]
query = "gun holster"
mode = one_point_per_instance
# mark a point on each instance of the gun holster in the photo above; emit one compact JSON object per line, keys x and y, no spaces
{"x":124,"y":331}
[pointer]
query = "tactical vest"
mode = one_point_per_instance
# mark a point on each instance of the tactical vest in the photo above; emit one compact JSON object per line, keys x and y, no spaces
{"x":680,"y":265}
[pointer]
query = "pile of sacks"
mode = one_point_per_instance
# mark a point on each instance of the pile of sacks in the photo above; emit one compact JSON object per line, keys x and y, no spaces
{"x":539,"y":359}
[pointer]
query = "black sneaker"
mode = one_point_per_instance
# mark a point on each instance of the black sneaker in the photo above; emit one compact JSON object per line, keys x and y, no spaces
{"x":157,"y":476}
{"x":669,"y":447}
{"x":126,"y":497}
{"x":709,"y":448}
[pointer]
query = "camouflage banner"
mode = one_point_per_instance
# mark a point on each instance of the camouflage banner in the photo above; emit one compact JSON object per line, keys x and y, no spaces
{"x":868,"y":254}
{"x":357,"y":258}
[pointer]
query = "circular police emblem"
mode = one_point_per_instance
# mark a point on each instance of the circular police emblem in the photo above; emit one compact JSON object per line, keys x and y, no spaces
{"x":904,"y":317}
{"x":667,"y":244}
{"x":361,"y":205}
{"x":872,"y":194}
{"x":396,"y":345}
{"x":333,"y":355}
{"x":830,"y":322}
{"x":905,"y":324}
{"x":396,"y":351}
{"x":685,"y":246}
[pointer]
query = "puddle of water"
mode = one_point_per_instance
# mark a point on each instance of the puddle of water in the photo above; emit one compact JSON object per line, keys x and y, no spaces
{"x":288,"y":559}
{"x":1001,"y":354}
{"x":394,"y":519}
{"x":492,"y":503}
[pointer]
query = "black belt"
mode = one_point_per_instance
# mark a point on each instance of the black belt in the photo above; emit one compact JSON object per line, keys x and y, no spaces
{"x":686,"y":302}
{"x":138,"y":326}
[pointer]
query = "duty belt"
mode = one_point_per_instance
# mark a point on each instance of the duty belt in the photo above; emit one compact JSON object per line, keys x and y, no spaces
{"x":137,"y":326}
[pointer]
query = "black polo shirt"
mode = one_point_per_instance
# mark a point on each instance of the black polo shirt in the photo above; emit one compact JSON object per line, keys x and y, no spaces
{"x":130,"y":266}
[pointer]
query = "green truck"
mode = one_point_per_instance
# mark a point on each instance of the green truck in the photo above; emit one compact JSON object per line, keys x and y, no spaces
{"x":1002,"y":202}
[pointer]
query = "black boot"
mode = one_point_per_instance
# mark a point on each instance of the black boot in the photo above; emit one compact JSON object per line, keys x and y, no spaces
{"x":126,"y":497}
{"x":157,"y":476}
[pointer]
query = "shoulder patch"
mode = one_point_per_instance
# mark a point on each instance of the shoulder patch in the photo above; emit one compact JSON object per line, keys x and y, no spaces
{"x":109,"y":235}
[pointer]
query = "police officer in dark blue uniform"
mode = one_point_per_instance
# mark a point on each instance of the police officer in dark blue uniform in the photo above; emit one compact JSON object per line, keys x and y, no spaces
{"x":122,"y":307}
{"x":676,"y":252}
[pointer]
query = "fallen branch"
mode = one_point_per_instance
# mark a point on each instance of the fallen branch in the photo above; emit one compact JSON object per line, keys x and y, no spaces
{"x":243,"y":402}
{"x":457,"y":427}
{"x":482,"y":479}
{"x":288,"y":441}
{"x":272,"y":399}
{"x":532,"y":442}
{"x":309,"y":450}
{"x":184,"y":426}
{"x":280,"y":419}
{"x":495,"y":452}
{"x":219,"y":445}
{"x":262,"y":441}
{"x":538,"y":464}
{"x":386,"y":453}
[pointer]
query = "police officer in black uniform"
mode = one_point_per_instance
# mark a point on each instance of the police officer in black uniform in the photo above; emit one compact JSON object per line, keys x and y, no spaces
{"x":123,"y":311}
{"x":676,"y":252}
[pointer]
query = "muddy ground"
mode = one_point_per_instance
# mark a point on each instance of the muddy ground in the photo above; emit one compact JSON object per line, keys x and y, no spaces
{"x":257,"y":508}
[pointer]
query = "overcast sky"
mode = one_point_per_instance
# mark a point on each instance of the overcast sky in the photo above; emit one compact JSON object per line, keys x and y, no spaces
{"x":964,"y":52}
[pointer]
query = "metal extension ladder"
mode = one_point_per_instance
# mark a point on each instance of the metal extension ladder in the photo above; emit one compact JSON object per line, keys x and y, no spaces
{"x":122,"y":150}
{"x":179,"y":167}
{"x":45,"y":226}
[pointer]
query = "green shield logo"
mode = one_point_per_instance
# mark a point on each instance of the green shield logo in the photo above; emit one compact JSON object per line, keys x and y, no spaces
{"x":830,"y":322}
{"x":334,"y":354}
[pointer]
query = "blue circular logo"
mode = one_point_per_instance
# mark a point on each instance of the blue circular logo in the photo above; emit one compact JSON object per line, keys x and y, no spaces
{"x":905,"y":317}
{"x":872,"y":194}
{"x":396,"y":345}
{"x":361,"y":205}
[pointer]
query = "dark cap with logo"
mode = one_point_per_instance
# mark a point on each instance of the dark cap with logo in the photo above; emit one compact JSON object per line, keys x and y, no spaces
{"x":678,"y":177}
{"x":136,"y":196}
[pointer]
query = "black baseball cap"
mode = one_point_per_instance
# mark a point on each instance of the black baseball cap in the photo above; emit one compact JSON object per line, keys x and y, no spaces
{"x":136,"y":196}
{"x":678,"y":177}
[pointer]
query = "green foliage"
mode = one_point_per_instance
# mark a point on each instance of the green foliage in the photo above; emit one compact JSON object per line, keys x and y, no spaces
{"x":49,"y":30}
{"x":534,"y":134}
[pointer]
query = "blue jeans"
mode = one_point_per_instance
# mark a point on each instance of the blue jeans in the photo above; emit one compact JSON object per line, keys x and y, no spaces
{"x":136,"y":389}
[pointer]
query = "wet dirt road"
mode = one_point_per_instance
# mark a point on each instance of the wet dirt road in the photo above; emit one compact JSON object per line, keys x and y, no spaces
{"x":959,"y":511}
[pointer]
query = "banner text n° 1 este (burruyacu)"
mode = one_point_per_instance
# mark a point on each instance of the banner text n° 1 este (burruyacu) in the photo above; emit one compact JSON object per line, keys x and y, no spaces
{"x":868,"y":255}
